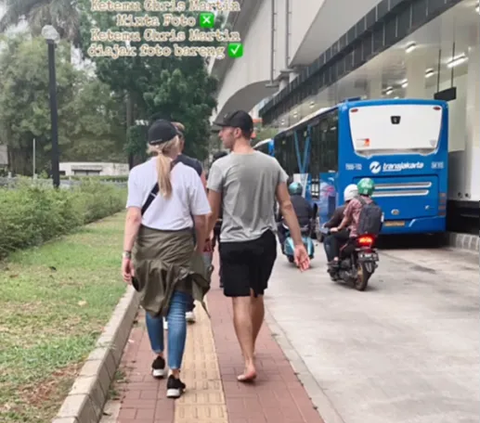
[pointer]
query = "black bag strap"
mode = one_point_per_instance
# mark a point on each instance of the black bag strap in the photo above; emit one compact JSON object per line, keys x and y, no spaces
{"x":361,"y":200}
{"x":154,"y":192}
{"x":151,"y":197}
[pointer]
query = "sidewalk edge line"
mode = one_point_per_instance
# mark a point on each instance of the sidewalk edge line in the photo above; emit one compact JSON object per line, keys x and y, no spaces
{"x":87,"y":397}
{"x":320,"y":400}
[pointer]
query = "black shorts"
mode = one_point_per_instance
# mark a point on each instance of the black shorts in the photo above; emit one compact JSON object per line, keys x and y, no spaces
{"x":248,"y":265}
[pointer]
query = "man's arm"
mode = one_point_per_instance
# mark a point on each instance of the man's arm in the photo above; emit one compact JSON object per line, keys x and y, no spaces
{"x":214,"y":188}
{"x":288,"y":212}
{"x":215,"y":200}
{"x":204,"y":179}
{"x":200,"y":232}
{"x":336,"y":219}
{"x":132,"y":225}
{"x":347,"y":217}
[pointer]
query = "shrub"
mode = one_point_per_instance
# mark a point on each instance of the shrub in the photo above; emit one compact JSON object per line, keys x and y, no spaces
{"x":32,"y":214}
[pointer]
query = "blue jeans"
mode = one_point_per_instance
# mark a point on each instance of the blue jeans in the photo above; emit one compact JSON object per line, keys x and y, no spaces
{"x":177,"y":330}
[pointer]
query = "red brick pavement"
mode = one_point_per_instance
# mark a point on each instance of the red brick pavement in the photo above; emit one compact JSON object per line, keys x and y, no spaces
{"x":276,"y":396}
{"x":143,"y":398}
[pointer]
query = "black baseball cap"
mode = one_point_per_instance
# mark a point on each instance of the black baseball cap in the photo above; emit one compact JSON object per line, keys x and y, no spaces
{"x":239,"y":119}
{"x":219,"y":155}
{"x":161,"y":131}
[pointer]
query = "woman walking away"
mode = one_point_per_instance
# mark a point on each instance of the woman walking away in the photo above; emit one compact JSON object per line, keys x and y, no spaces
{"x":166,"y":199}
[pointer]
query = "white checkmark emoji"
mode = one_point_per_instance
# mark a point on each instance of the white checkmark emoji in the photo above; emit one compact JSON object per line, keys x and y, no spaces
{"x":235,"y":50}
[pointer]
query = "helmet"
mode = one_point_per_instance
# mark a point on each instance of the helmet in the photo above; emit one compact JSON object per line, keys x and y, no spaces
{"x":295,"y":188}
{"x":350,"y":192}
{"x":366,"y":187}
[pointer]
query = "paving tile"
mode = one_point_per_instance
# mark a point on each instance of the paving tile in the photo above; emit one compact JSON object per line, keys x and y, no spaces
{"x":211,"y":364}
{"x":273,"y":396}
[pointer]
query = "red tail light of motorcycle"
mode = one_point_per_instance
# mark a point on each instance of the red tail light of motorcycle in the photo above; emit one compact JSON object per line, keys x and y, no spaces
{"x":365,"y":241}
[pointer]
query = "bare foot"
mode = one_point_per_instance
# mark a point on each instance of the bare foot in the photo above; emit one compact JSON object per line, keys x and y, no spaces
{"x":249,"y":375}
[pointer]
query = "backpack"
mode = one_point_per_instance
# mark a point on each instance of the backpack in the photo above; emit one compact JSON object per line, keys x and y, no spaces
{"x":371,"y":218}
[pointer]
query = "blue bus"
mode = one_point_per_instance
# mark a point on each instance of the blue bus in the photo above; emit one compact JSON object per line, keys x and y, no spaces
{"x":401,"y":144}
{"x":266,"y":146}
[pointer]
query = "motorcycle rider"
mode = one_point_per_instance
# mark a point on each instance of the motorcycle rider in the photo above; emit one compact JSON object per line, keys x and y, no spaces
{"x":302,"y":207}
{"x":351,"y":218}
{"x":350,"y":192}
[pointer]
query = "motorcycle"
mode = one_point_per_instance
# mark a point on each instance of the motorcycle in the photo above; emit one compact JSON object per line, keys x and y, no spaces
{"x":358,"y":261}
{"x":288,"y":247}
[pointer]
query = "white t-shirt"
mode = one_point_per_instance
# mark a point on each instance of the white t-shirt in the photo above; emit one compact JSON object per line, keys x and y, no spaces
{"x":175,"y":213}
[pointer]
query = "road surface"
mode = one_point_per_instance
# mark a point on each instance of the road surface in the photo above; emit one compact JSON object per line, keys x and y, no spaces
{"x":404,"y":351}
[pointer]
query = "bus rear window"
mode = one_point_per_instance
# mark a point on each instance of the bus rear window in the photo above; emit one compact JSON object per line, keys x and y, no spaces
{"x":395,"y":129}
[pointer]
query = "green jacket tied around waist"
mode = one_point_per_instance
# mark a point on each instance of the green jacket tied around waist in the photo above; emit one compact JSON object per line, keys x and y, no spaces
{"x":165,"y":261}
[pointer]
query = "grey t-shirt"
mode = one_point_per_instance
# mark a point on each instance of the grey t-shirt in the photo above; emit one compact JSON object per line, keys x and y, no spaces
{"x":248,"y":183}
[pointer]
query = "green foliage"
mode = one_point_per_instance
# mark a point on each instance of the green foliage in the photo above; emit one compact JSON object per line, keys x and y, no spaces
{"x":54,"y":302}
{"x":176,"y":88}
{"x":63,"y":15}
{"x":136,"y":146}
{"x":90,"y":121}
{"x":32,"y":215}
{"x":98,"y":127}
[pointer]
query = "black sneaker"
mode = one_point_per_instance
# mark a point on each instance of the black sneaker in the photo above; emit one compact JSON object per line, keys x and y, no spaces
{"x":175,"y":387}
{"x":158,"y":368}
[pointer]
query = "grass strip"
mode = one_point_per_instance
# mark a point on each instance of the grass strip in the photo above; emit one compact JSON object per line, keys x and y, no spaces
{"x":54,"y":302}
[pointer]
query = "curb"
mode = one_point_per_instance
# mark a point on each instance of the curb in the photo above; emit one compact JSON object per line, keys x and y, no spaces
{"x":320,"y":400}
{"x":464,"y":241}
{"x":86,"y":399}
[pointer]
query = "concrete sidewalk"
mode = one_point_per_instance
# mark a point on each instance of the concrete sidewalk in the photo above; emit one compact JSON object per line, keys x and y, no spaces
{"x":212,"y":362}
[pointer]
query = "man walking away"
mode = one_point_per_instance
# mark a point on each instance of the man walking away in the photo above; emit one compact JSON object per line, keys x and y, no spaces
{"x":245,"y":184}
{"x":197,"y":166}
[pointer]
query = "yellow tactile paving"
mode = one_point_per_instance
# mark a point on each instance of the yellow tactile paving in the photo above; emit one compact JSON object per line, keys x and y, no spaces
{"x":203,"y":402}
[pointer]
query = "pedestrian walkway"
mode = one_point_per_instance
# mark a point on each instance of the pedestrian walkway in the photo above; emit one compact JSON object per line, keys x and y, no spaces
{"x":212,"y":363}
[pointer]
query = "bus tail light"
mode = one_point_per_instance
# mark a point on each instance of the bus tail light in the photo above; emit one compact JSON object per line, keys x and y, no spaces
{"x":354,"y":110}
{"x":443,"y":198}
{"x":437,"y":108}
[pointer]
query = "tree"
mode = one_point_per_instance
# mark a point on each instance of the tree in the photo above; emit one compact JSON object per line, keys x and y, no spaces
{"x":98,"y":127}
{"x":62,"y":14}
{"x":89,"y":119}
{"x":176,"y":88}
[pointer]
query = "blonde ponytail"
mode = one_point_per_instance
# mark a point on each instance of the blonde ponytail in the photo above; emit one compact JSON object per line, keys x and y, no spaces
{"x":164,"y":165}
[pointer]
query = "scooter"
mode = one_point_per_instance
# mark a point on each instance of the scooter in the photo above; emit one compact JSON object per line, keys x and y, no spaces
{"x":289,"y":247}
{"x":358,"y":261}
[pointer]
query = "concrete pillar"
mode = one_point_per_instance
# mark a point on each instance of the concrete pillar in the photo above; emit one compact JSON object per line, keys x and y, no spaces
{"x":283,"y":84}
{"x":280,"y":35}
{"x":374,"y":89}
{"x":416,"y":66}
{"x":293,"y":75}
{"x":472,"y":147}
